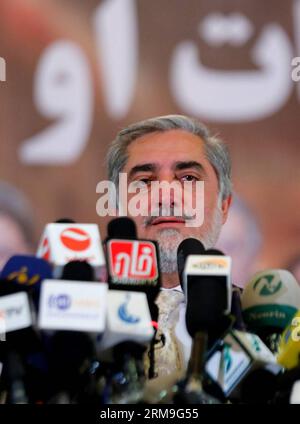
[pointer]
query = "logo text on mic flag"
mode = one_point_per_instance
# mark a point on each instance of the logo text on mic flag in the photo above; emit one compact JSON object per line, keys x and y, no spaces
{"x":132,"y":260}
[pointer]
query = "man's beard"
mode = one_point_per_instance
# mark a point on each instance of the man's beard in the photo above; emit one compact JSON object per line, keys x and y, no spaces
{"x":170,"y":238}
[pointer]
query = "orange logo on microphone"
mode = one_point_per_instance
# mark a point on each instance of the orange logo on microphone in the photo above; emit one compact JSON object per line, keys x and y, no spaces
{"x":45,"y":250}
{"x":75,"y":239}
{"x":211,"y":264}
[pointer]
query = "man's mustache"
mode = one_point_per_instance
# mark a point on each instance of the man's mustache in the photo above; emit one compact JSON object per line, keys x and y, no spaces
{"x":165,"y":213}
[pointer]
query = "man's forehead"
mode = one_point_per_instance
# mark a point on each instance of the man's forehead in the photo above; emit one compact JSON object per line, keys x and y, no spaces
{"x":171,"y":146}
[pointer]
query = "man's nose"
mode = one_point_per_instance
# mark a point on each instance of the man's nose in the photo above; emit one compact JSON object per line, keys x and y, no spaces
{"x":168,"y":195}
{"x":166,"y":200}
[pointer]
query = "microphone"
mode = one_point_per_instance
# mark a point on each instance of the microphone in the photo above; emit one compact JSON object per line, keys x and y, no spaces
{"x":289,"y":346}
{"x":73,"y":305}
{"x":189,"y":246}
{"x":22,"y":344}
{"x":129,"y":330}
{"x":193,"y":246}
{"x":122,"y":228}
{"x":206,"y":287}
{"x":26,"y":269}
{"x":73,"y":315}
{"x":20,"y":291}
{"x":272,"y":303}
{"x":233,"y":353}
{"x":243,"y":367}
{"x":236,"y":360}
{"x":236,"y":310}
{"x":192,"y":258}
{"x":64,"y":221}
{"x":27,"y":272}
{"x":65,"y":242}
{"x":128,"y":318}
{"x":130,"y":261}
{"x":269,"y":301}
{"x":78,"y":271}
{"x":295,"y":394}
{"x":15,"y":306}
{"x":133,"y":266}
{"x":209,"y":277}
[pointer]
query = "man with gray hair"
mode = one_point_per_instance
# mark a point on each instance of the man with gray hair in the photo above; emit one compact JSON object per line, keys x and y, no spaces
{"x":173,"y":149}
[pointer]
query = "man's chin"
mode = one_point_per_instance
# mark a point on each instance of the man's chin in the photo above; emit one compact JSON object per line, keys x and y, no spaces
{"x":168,"y":242}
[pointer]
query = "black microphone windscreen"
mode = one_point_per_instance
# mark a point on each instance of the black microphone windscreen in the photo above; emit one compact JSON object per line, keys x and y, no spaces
{"x":122,"y":228}
{"x":65,"y":221}
{"x":189,"y":246}
{"x":214,"y":252}
{"x":236,"y":310}
{"x":78,"y":271}
{"x":207,"y":301}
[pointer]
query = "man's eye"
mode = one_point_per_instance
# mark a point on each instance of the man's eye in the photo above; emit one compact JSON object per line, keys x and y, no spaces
{"x":189,"y":178}
{"x":145,"y":180}
{"x":142,"y":182}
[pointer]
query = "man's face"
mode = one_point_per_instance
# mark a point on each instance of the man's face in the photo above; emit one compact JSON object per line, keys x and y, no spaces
{"x":175,"y":156}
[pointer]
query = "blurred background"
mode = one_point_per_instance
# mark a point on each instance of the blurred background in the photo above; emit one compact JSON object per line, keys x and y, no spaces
{"x":78,"y":71}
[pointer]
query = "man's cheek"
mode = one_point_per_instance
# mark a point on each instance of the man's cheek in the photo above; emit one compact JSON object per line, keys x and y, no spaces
{"x":194,"y":205}
{"x":138,"y":204}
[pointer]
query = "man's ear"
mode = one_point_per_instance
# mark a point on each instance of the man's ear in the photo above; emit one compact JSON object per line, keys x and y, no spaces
{"x":225,"y":208}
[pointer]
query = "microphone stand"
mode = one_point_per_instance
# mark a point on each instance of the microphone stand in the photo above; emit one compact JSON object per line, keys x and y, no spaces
{"x":190,"y":390}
